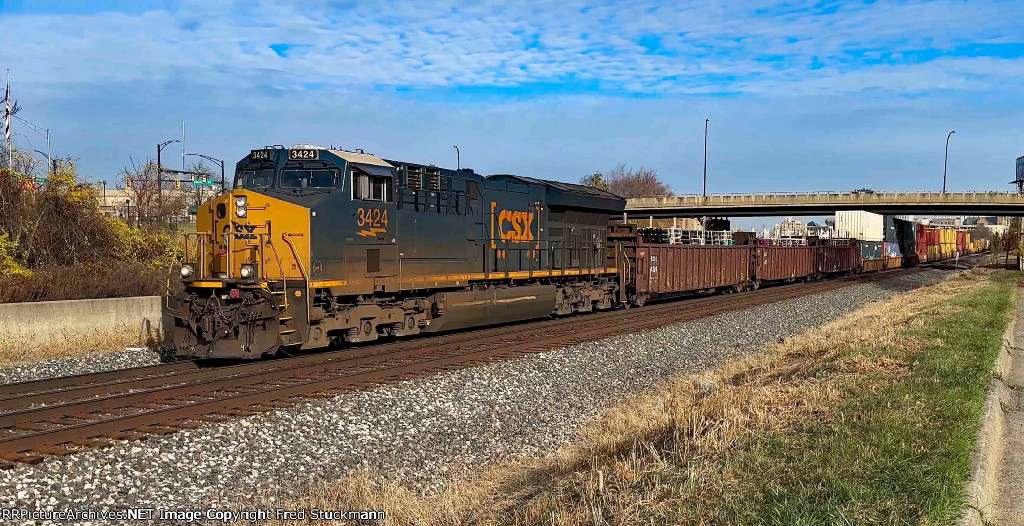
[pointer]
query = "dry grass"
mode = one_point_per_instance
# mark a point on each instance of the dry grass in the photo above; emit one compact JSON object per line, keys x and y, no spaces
{"x":18,"y":350}
{"x":683,"y":453}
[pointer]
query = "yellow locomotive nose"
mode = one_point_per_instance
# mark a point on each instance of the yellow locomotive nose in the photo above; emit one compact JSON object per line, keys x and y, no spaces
{"x":245,"y":276}
{"x":247,"y":236}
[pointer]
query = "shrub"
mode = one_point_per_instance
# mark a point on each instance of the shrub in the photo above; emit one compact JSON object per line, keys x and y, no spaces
{"x":56,"y":243}
{"x":84,"y":281}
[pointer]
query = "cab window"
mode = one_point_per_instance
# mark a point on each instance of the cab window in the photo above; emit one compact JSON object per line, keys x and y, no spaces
{"x":309,"y":177}
{"x":254,"y":178}
{"x":370,"y":187}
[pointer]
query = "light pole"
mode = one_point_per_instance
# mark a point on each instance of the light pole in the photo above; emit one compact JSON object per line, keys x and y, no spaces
{"x":458,"y":158}
{"x":215,"y":160}
{"x":159,"y":173}
{"x":945,"y":162}
{"x":49,"y":166}
{"x":706,"y":121}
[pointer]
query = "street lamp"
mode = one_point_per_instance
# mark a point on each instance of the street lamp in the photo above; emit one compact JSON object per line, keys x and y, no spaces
{"x":215,"y":160}
{"x":706,"y":121}
{"x":945,"y":162}
{"x":458,"y":158}
{"x":49,"y":168}
{"x":160,"y":171}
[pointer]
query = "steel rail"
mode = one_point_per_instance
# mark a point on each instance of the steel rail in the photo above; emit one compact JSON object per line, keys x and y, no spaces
{"x":47,"y":391}
{"x":68,"y":427}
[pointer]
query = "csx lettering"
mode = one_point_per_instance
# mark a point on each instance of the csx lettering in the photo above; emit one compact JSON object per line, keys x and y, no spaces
{"x":244,"y":231}
{"x":521,"y":225}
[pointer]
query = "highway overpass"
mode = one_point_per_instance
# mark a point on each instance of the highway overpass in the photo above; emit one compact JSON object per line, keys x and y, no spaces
{"x":825,"y":203}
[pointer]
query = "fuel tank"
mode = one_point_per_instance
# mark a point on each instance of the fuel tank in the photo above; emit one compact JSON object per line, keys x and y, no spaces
{"x":472,"y":308}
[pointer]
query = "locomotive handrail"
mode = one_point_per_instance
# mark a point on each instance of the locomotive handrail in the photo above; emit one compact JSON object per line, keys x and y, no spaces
{"x":280,"y":267}
{"x":302,"y":268}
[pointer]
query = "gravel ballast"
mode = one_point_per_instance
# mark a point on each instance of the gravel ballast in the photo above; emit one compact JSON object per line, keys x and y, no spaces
{"x":423,"y":431}
{"x":86,"y":363}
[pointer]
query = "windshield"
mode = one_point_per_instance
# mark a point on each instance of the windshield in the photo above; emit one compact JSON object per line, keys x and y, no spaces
{"x":310,"y":176}
{"x":254,"y":178}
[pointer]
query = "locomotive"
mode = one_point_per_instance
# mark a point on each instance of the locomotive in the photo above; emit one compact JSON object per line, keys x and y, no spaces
{"x":315,"y":245}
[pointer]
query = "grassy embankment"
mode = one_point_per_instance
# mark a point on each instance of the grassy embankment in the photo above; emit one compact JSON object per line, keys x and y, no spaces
{"x":868,"y":420}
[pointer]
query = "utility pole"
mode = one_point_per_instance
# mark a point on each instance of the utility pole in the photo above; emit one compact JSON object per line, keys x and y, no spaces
{"x":706,"y":121}
{"x":946,"y":160}
{"x":458,"y":158}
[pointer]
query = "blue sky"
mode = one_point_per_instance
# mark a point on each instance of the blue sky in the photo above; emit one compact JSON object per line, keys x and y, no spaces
{"x":801,"y":95}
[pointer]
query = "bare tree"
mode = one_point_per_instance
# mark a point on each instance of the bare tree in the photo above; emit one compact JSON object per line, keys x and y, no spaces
{"x":22,"y":161}
{"x":148,"y":202}
{"x":628,"y":183}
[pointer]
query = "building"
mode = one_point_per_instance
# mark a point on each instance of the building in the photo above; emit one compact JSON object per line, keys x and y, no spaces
{"x":821,"y":231}
{"x":117,"y":202}
{"x":946,"y":222}
{"x":996,"y":225}
{"x":790,"y":228}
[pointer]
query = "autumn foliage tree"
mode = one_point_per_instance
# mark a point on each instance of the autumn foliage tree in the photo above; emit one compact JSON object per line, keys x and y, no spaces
{"x":628,"y":182}
{"x":57,"y":243}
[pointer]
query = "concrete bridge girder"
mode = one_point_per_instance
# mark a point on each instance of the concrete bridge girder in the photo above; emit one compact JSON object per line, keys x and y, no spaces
{"x":917,"y":203}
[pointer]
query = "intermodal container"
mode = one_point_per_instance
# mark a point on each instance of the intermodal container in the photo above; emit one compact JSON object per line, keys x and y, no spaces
{"x":892,"y":255}
{"x":665,"y":269}
{"x":921,"y":244}
{"x":870,"y":249}
{"x":857,"y":224}
{"x":889,"y":229}
{"x":779,"y":263}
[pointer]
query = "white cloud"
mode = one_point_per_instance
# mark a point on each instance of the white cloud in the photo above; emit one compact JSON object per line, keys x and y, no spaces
{"x":418,"y":45}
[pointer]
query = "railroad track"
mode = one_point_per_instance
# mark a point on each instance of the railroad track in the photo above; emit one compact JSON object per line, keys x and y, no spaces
{"x":65,"y":415}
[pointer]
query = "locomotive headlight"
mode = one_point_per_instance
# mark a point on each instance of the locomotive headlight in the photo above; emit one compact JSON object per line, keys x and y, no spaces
{"x":186,"y":271}
{"x":247,"y":271}
{"x":240,"y":202}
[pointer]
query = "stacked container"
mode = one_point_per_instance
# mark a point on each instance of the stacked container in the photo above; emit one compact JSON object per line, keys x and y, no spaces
{"x":921,"y":241}
{"x":889,"y":229}
{"x":869,"y":230}
{"x":906,"y":237}
{"x":892,"y":254}
{"x":857,"y":224}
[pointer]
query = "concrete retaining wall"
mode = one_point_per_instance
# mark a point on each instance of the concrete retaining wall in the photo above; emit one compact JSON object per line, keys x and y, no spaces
{"x":40,"y":321}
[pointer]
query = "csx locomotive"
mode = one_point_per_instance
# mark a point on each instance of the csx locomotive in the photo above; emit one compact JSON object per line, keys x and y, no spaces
{"x":316,"y":245}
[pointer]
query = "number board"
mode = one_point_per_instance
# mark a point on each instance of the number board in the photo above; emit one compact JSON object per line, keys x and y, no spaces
{"x":304,"y":154}
{"x":260,"y":155}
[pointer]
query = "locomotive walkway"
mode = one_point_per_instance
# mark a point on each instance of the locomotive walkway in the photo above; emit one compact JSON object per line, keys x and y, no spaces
{"x":773,"y":204}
